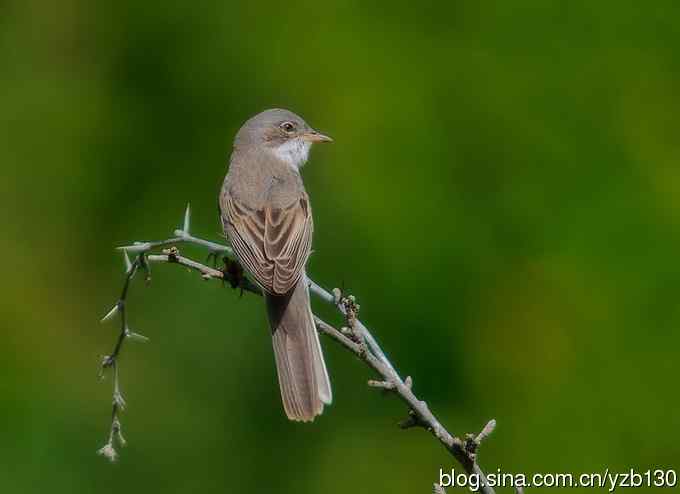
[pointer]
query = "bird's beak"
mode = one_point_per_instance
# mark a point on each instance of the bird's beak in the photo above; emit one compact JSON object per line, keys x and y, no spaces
{"x":314,"y":136}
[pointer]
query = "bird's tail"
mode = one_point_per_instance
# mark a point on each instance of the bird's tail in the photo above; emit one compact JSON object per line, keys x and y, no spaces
{"x":303,"y":378}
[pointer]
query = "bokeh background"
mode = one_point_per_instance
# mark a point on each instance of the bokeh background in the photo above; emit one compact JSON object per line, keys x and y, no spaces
{"x":503,"y":197}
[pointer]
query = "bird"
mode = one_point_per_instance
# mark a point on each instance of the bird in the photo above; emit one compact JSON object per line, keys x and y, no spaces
{"x":267,"y":217}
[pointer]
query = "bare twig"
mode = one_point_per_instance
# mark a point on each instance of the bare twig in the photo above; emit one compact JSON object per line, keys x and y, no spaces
{"x":355,"y":337}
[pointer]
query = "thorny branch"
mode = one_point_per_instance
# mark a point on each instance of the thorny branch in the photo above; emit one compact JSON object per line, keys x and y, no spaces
{"x":111,"y":360}
{"x":354,"y":336}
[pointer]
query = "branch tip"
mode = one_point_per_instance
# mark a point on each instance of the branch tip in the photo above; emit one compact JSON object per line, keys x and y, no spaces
{"x":108,"y":452}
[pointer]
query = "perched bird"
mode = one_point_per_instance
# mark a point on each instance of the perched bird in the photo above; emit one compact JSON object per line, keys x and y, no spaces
{"x":267,"y":217}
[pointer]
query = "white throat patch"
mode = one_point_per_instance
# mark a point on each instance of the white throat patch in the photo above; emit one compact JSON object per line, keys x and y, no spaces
{"x":294,"y":152}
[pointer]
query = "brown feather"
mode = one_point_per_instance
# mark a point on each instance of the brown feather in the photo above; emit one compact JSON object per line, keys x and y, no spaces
{"x":272,"y":243}
{"x":303,"y":378}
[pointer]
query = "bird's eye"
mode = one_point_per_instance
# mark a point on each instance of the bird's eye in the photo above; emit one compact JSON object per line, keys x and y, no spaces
{"x":288,"y":126}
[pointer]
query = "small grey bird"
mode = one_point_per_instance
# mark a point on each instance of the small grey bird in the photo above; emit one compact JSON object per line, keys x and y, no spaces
{"x":267,"y":218}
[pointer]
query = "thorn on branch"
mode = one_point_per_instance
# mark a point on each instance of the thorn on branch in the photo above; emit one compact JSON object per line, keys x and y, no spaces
{"x":438,"y":489}
{"x":128,"y":264}
{"x":187,"y":219}
{"x":136,"y":336}
{"x":136,"y":247}
{"x":114,"y":310}
{"x":408,"y":382}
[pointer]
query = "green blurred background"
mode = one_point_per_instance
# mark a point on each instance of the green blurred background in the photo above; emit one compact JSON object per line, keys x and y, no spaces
{"x":503,"y":197}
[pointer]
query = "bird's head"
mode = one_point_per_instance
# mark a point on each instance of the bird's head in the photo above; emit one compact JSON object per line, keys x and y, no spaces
{"x":281,"y":132}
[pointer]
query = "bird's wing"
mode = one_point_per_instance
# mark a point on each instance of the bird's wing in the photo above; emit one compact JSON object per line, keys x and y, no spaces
{"x":272,"y":244}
